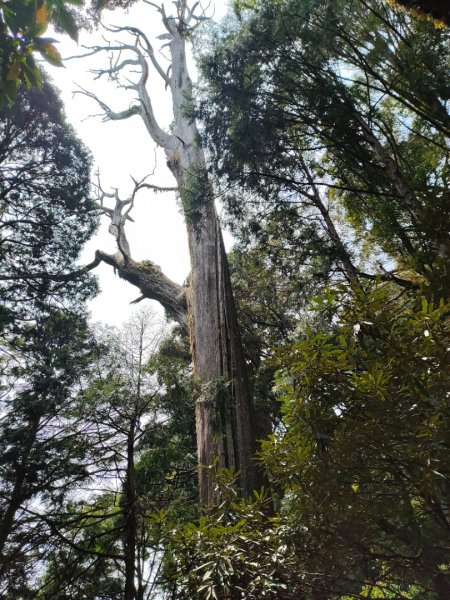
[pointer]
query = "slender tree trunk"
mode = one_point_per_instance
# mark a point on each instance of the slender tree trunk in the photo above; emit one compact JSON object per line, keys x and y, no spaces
{"x":140,"y":589}
{"x":349,"y":268}
{"x":130,"y":519}
{"x":7,"y":520}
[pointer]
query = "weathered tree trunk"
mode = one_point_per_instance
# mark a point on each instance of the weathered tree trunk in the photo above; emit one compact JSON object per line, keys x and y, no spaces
{"x":223,"y":411}
{"x":224,"y":418}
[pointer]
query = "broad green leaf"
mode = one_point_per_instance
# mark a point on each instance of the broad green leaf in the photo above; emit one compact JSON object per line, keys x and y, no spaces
{"x":14,"y":71}
{"x":41,"y":14}
{"x":51,"y":54}
{"x":65,"y":19}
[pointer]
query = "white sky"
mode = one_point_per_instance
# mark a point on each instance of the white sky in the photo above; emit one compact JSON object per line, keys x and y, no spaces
{"x":124,"y":149}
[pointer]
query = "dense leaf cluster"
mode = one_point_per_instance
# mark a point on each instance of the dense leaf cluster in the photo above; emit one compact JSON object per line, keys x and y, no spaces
{"x":46,"y":214}
{"x":342,"y":109}
{"x":45,"y":350}
{"x":22,"y":25}
{"x":331,"y":121}
{"x":358,"y":470}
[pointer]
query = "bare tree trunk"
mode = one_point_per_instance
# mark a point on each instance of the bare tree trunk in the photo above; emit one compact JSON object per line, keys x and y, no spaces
{"x":223,"y":411}
{"x":224,"y":417}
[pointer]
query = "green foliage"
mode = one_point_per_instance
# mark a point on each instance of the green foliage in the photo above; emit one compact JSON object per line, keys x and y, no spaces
{"x":273,"y":275}
{"x":71,"y":573}
{"x":194,"y":195}
{"x":231,"y":552}
{"x":363,"y":461}
{"x":169,"y":459}
{"x":46,"y":214}
{"x":358,"y":467}
{"x":334,"y":119}
{"x":22,"y":25}
{"x":339,"y":108}
{"x":136,"y":407}
{"x":45,"y":218}
{"x":45,"y":453}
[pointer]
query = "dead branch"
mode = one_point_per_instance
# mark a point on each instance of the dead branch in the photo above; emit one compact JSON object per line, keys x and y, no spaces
{"x":108,"y":113}
{"x":143,"y":106}
{"x":147,"y":276}
{"x":146,"y":46}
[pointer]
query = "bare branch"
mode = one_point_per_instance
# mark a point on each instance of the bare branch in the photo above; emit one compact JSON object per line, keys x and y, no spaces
{"x":147,"y":276}
{"x":190,"y":12}
{"x":145,"y":107}
{"x":158,"y":7}
{"x":56,"y":530}
{"x":388,"y":276}
{"x":117,"y":216}
{"x":158,"y":188}
{"x":147,"y":46}
{"x":198,"y":18}
{"x":153,"y":284}
{"x":181,"y":6}
{"x":109,"y":114}
{"x":115,"y":69}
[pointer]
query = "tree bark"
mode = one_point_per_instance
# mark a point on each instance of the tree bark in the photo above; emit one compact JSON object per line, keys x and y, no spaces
{"x":224,"y":418}
{"x":130,"y":515}
{"x":223,"y":412}
{"x":152,"y":283}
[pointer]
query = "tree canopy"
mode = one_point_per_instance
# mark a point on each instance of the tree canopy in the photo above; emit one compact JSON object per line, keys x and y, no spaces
{"x":129,"y":466}
{"x":46,"y":211}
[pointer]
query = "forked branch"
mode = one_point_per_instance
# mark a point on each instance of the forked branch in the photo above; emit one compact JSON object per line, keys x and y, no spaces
{"x":145,"y":44}
{"x":146,"y":276}
{"x":142,"y":105}
{"x":117,"y":217}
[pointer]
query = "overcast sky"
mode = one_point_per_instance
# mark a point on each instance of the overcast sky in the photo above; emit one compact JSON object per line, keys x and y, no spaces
{"x":121,"y":150}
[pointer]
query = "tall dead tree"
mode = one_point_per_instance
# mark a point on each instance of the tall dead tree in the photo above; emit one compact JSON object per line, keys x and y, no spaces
{"x":206,"y":309}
